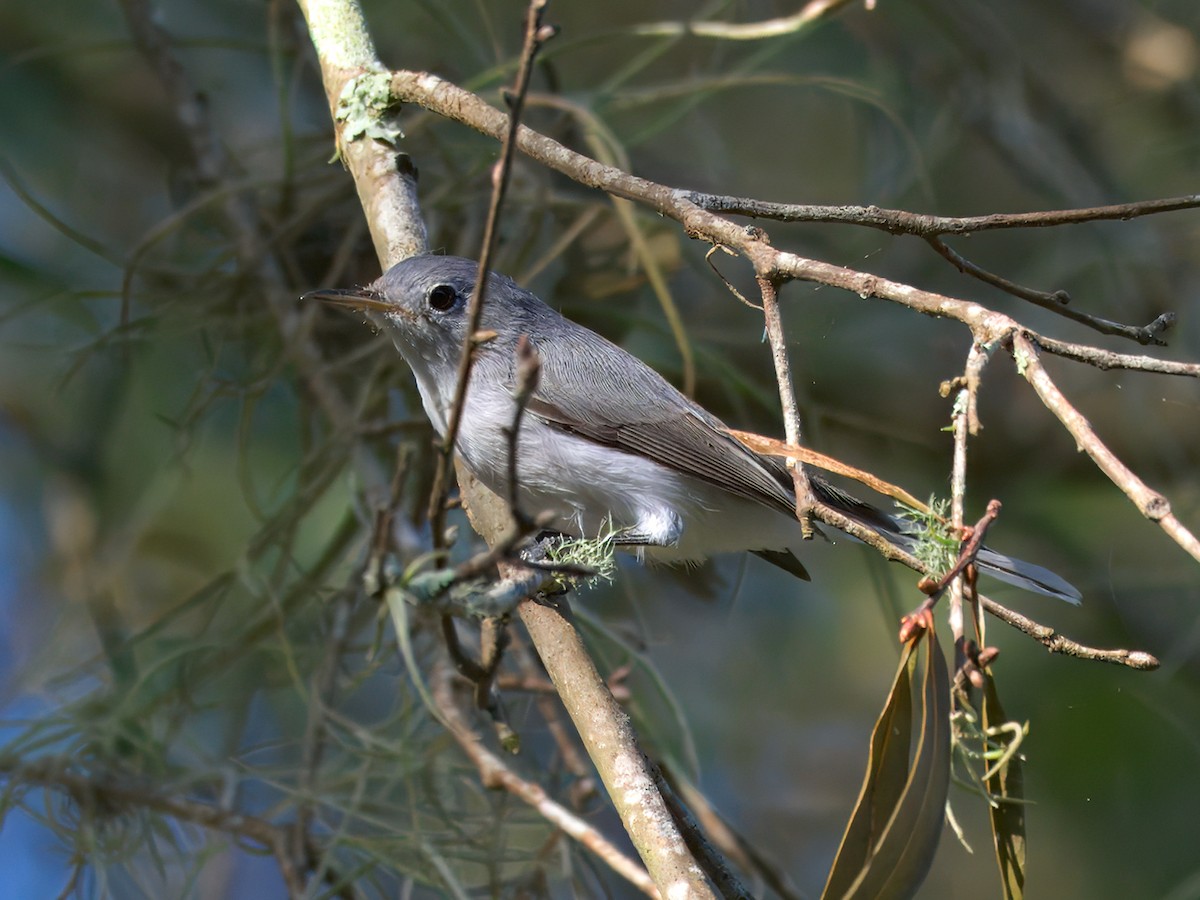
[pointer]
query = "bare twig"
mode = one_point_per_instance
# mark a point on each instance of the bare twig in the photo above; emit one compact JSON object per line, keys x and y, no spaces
{"x":1057,"y":643}
{"x":805,"y":501}
{"x":528,"y":372}
{"x":934,"y":588}
{"x":966,"y":555}
{"x":535,"y":35}
{"x":965,"y":420}
{"x":1106,"y":359}
{"x":773,"y":447}
{"x":1151,"y":504}
{"x":898,"y":221}
{"x":808,"y":14}
{"x":527,"y":366}
{"x":732,"y":844}
{"x":1055,"y":301}
{"x":932,"y":228}
{"x":493,"y":639}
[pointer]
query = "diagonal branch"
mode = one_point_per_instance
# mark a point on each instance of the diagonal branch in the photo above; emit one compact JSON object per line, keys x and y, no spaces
{"x":691,"y":211}
{"x":347,"y":56}
{"x":627,"y":775}
{"x":1056,"y":301}
{"x":1151,"y":504}
{"x":495,"y":773}
{"x":931,"y":229}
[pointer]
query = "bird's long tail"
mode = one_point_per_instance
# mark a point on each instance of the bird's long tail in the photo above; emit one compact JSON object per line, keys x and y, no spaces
{"x":900,"y":532}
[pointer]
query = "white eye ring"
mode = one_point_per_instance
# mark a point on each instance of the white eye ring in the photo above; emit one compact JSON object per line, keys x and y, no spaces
{"x":442,"y":297}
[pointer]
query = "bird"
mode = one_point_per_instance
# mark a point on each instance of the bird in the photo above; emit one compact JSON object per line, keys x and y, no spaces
{"x":606,"y":445}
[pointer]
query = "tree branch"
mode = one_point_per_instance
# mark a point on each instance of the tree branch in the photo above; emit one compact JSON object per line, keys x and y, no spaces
{"x":1151,"y":504}
{"x":494,"y":773}
{"x":612,"y":744}
{"x":386,"y":181}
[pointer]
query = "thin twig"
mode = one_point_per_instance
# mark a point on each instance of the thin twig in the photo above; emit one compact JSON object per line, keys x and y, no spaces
{"x":809,"y":14}
{"x":749,"y":857}
{"x":1057,"y":643}
{"x":805,"y":501}
{"x":1055,"y":301}
{"x":898,"y":221}
{"x":921,"y":617}
{"x":528,"y":373}
{"x":966,"y":554}
{"x":493,"y":639}
{"x":932,"y":228}
{"x":1106,"y":359}
{"x":965,"y":423}
{"x":535,"y":35}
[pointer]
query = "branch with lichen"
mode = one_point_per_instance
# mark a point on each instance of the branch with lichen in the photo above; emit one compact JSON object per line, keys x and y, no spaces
{"x":344,"y":48}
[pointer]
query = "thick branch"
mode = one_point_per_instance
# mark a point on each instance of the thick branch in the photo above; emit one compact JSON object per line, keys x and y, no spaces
{"x":495,"y":773}
{"x":386,"y":182}
{"x":627,"y":775}
{"x":346,"y":52}
{"x":446,"y":99}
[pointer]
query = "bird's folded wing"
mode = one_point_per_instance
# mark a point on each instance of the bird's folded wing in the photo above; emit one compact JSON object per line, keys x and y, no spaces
{"x":685,"y":442}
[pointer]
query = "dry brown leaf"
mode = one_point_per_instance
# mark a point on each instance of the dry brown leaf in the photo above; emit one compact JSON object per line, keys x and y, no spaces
{"x":772,"y":447}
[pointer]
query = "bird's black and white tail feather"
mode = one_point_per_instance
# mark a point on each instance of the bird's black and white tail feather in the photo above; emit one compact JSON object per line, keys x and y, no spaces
{"x":900,"y":532}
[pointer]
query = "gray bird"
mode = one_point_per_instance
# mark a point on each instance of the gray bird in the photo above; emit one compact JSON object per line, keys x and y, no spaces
{"x":606,"y":443}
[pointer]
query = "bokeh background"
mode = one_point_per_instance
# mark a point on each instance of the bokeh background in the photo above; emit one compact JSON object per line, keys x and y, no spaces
{"x":181,"y":529}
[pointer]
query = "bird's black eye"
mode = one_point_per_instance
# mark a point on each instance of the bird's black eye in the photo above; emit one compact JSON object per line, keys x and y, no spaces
{"x":441,"y":297}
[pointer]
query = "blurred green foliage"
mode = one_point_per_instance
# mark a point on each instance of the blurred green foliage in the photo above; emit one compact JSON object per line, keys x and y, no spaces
{"x":182,"y":528}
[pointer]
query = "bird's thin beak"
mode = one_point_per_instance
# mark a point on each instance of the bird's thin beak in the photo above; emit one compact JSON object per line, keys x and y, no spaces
{"x":363,"y":299}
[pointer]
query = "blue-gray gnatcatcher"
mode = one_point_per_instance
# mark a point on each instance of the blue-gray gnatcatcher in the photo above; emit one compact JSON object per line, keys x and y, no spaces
{"x":605,"y":443}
